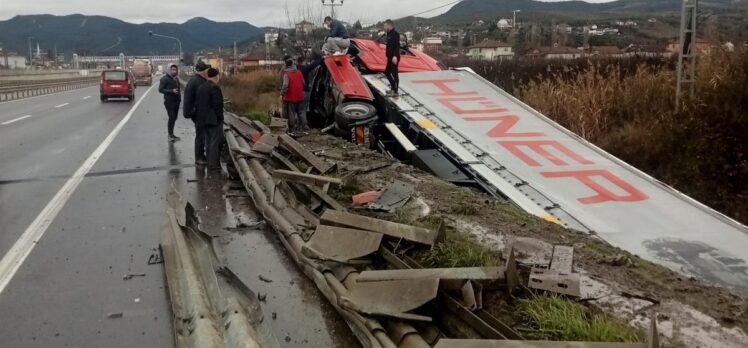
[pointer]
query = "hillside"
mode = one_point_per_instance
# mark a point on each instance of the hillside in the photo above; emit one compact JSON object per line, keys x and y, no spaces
{"x":106,"y":35}
{"x":486,"y":8}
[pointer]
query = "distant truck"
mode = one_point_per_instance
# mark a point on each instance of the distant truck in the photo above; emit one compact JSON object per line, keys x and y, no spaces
{"x":142,"y":70}
{"x":160,"y":69}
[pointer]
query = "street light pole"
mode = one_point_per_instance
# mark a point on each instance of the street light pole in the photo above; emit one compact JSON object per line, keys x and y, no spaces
{"x":151,"y":33}
{"x":332,"y":5}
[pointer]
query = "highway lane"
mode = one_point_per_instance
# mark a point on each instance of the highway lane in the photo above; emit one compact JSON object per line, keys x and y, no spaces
{"x":109,"y":225}
{"x":72,"y":279}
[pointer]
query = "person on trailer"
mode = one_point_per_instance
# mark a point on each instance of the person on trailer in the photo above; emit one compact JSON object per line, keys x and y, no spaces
{"x":393,"y":57}
{"x":169,"y":87}
{"x":209,"y":117}
{"x":190,"y":92}
{"x":292,"y":93}
{"x":337,"y":41}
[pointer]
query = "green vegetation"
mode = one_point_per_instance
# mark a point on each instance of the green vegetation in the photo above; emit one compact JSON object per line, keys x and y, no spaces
{"x":457,"y":250}
{"x":555,"y":318}
{"x":263,"y":117}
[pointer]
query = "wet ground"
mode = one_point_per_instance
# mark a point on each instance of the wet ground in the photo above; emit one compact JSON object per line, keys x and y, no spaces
{"x":69,"y":291}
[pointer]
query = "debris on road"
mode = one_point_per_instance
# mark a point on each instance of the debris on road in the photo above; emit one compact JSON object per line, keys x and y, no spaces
{"x":394,"y":197}
{"x":114,"y":315}
{"x":131,"y":275}
{"x":264,"y":279}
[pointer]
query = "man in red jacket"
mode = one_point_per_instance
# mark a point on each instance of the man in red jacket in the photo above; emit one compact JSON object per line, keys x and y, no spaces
{"x":292,"y":91}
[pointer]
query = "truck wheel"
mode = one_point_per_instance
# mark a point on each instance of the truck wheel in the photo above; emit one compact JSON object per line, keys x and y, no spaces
{"x":351,"y":113}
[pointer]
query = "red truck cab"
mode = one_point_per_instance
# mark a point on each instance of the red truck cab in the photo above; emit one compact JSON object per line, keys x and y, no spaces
{"x":116,"y":83}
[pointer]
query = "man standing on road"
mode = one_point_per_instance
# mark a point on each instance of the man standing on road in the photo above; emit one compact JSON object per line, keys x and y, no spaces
{"x":292,"y":92}
{"x":190,"y":92}
{"x":393,"y":57}
{"x":338,"y":40}
{"x":169,"y":87}
{"x":209,"y":117}
{"x":305,"y":70}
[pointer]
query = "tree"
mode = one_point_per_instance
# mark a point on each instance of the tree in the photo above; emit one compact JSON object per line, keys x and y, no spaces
{"x":357,"y":26}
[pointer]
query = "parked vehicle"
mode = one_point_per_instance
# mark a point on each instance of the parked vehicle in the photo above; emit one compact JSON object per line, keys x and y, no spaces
{"x":116,"y":83}
{"x":142,"y":70}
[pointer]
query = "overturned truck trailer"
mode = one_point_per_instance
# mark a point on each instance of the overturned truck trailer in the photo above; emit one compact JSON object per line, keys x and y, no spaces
{"x":466,"y":130}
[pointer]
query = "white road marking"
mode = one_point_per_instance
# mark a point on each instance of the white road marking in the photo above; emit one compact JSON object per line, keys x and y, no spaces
{"x":14,"y":258}
{"x":15,"y":119}
{"x":61,"y":105}
{"x":86,"y":97}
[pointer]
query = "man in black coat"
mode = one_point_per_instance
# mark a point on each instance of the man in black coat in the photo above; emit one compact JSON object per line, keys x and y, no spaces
{"x":209,"y":116}
{"x":190,"y":93}
{"x":169,"y":87}
{"x":393,"y":57}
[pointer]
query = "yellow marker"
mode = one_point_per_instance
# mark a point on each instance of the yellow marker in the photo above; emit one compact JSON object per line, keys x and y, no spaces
{"x":426,"y":124}
{"x":550,"y":218}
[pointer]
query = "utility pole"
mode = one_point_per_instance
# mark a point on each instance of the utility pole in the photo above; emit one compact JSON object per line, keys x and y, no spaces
{"x":687,"y":52}
{"x":332,"y":6}
{"x":31,"y":57}
{"x":236,"y":59}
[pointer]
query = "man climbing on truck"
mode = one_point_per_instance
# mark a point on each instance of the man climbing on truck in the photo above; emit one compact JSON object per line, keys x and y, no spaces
{"x":337,"y":41}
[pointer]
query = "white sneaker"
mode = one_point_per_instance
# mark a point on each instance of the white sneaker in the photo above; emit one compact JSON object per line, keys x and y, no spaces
{"x":340,"y":53}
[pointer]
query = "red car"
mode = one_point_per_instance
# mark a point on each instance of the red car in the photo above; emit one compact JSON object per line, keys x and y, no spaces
{"x":341,"y":96}
{"x":116,"y":83}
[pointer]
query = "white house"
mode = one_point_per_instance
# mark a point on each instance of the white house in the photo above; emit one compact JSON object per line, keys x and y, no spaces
{"x":13,"y":62}
{"x":489,"y":50}
{"x":271,"y":37}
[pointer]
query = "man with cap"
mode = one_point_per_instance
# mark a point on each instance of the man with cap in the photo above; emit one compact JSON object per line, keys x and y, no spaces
{"x":292,"y":92}
{"x":209,"y":117}
{"x":169,"y":87}
{"x":190,"y":93}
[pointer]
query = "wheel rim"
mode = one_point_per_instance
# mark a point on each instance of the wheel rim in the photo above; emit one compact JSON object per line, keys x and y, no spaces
{"x":355,"y":110}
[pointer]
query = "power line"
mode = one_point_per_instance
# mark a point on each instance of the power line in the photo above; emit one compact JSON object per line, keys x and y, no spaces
{"x":433,"y":9}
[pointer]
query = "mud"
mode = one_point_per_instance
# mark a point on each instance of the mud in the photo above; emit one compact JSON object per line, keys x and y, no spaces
{"x":495,"y":223}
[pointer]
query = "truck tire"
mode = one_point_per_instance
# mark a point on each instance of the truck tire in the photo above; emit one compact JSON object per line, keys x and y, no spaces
{"x":349,"y":114}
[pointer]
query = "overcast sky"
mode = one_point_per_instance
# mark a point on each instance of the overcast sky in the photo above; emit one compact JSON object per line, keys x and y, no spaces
{"x":257,"y":12}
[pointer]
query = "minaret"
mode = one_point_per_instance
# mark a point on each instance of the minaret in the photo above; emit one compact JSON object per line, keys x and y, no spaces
{"x":38,"y":51}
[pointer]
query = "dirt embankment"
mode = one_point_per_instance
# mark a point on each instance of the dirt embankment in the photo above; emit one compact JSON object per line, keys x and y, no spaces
{"x":689,"y":311}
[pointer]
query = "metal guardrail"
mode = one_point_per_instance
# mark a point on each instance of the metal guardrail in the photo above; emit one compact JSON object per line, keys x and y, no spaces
{"x":13,"y":90}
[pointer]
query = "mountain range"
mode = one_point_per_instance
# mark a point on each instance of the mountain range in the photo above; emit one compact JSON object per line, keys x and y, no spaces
{"x":100,"y":35}
{"x":484,"y":8}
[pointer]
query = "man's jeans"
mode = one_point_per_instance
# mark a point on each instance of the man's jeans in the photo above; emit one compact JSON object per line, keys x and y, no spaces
{"x":336,"y":44}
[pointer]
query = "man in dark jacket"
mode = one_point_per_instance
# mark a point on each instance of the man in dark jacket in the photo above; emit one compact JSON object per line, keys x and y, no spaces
{"x":393,"y":57}
{"x":190,"y":92}
{"x":169,"y":87}
{"x":209,"y":116}
{"x":337,"y":41}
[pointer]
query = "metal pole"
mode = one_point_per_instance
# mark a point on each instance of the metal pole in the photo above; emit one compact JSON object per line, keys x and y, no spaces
{"x":31,"y":58}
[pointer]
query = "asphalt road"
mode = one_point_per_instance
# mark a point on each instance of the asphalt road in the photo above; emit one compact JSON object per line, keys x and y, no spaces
{"x":82,"y":202}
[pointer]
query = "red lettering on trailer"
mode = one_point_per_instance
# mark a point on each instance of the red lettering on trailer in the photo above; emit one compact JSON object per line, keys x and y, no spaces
{"x":479,"y":108}
{"x":505,"y":124}
{"x":538,"y":147}
{"x":603,"y":194}
{"x":442,"y":85}
{"x":451,"y":104}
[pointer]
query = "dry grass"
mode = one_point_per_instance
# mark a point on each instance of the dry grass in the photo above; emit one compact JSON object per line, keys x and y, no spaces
{"x":701,"y":150}
{"x":253,"y":92}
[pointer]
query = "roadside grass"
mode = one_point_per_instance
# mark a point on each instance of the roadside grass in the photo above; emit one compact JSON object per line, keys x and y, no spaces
{"x":263,"y":117}
{"x":252,"y":93}
{"x":457,"y":250}
{"x":555,"y":318}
